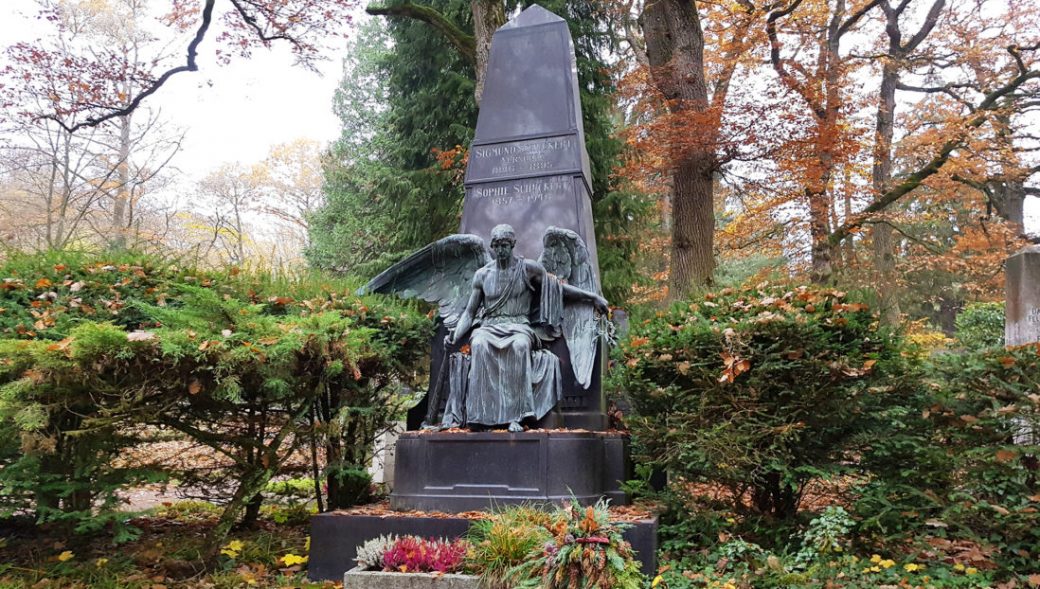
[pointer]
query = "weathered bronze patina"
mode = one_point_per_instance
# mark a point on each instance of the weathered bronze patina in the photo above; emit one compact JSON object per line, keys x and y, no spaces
{"x":508,"y":308}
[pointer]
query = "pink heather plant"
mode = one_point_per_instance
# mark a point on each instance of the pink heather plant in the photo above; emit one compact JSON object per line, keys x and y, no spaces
{"x":412,"y":554}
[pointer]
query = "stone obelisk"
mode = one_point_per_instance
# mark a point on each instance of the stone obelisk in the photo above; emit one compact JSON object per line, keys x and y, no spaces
{"x":528,"y":166}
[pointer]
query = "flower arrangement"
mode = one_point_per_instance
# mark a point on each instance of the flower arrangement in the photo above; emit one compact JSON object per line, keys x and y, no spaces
{"x":586,"y":550}
{"x":370,"y":554}
{"x":412,"y":554}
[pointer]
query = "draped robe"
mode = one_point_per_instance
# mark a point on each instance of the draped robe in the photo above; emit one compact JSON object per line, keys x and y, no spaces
{"x":510,"y":377}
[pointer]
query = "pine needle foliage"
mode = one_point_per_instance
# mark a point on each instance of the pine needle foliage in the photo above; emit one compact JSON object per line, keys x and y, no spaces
{"x":761,"y":389}
{"x":94,"y":352}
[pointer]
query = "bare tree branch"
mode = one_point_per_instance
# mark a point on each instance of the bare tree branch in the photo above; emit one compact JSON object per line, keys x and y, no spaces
{"x":189,"y":66}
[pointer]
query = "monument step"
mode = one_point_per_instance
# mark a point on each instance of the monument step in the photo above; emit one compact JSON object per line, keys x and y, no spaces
{"x":454,"y":472}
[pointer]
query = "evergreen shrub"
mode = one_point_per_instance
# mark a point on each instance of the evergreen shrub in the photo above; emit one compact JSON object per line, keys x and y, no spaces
{"x":95,"y":352}
{"x":987,"y":415}
{"x":759,"y":391}
{"x":981,"y":325}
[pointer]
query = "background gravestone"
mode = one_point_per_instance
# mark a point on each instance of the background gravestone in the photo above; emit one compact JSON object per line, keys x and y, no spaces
{"x":1022,"y":313}
{"x":1022,"y":307}
{"x":528,"y":166}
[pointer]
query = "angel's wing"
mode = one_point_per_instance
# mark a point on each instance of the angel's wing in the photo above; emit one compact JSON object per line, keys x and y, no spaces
{"x":442,"y":273}
{"x":565,"y":254}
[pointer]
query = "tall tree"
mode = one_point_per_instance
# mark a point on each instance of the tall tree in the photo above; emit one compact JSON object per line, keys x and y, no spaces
{"x":818,"y":79}
{"x":695,"y":94}
{"x":101,"y":171}
{"x":899,"y":51}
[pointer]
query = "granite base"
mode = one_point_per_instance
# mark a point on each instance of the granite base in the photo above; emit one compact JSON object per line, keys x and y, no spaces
{"x":454,"y":472}
{"x":336,"y":536}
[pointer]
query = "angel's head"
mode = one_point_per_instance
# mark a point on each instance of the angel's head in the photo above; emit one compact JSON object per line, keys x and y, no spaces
{"x":503,"y":238}
{"x":557,"y":254}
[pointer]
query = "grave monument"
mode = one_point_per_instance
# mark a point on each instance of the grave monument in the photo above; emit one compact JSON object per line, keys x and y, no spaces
{"x":1022,"y":305}
{"x":1022,"y":313}
{"x":515,"y":411}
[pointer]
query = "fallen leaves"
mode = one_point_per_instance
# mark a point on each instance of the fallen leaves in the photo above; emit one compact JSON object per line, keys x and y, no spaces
{"x":734,"y":367}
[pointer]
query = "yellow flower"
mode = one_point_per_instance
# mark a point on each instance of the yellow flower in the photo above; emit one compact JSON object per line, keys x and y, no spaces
{"x":730,"y":520}
{"x":911,"y":567}
{"x":887,"y":563}
{"x":657,"y":581}
{"x":100,"y":562}
{"x":970,"y":571}
{"x":291,"y":559}
{"x":958,"y":567}
{"x":65,"y":556}
{"x":875,"y":558}
{"x":875,"y":569}
{"x":232,"y":548}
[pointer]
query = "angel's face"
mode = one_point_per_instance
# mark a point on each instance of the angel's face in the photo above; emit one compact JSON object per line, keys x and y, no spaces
{"x":502,"y":247}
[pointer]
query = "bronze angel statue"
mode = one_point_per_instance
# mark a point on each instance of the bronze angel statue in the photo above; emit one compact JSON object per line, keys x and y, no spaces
{"x":509,"y":308}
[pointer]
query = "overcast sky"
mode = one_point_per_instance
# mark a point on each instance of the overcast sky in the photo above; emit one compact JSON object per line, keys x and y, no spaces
{"x":234,"y":112}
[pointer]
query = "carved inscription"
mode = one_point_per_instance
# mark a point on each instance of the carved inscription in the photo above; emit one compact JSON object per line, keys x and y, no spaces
{"x":524,"y":191}
{"x":523,"y":157}
{"x":1033,"y":315}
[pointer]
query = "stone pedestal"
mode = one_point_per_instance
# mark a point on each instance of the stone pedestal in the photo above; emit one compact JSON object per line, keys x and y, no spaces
{"x":457,"y":472}
{"x":1022,"y":306}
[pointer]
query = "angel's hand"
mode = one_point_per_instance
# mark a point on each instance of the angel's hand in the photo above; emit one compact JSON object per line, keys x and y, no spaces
{"x":601,"y":305}
{"x":450,"y":338}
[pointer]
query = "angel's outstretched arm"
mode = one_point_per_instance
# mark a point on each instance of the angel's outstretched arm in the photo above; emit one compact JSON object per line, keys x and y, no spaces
{"x":536,"y":273}
{"x":573,"y":293}
{"x":466,"y":319}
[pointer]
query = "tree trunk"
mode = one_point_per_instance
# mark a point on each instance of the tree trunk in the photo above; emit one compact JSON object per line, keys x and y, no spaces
{"x":1009,"y":192}
{"x":252,"y":512}
{"x":693,"y":225}
{"x":822,"y":253}
{"x":675,"y":51}
{"x":488,"y":15}
{"x":881,"y":175}
{"x":122,"y":198}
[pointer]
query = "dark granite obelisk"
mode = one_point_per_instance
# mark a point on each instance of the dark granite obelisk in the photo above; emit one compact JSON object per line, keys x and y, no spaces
{"x":528,"y":166}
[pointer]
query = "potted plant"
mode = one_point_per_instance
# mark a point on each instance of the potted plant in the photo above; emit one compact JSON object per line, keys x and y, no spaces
{"x":391,"y":562}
